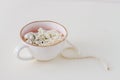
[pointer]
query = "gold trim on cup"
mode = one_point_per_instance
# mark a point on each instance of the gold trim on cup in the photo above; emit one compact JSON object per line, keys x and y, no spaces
{"x":44,"y":21}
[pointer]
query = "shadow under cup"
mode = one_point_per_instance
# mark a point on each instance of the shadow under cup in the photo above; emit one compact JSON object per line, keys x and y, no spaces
{"x":47,"y":25}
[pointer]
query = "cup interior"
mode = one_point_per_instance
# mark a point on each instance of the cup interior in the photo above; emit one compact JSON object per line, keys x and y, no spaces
{"x":47,"y":25}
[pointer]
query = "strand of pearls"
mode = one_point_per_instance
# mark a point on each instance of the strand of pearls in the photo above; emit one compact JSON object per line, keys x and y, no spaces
{"x":43,"y":37}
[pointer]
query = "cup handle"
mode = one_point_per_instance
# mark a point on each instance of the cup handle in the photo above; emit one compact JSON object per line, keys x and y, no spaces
{"x":77,"y":55}
{"x":18,"y":52}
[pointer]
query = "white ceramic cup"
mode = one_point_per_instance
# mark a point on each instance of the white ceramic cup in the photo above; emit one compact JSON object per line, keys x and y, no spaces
{"x":42,"y":53}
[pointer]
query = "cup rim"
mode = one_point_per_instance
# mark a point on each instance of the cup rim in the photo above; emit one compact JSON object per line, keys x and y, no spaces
{"x":44,"y":21}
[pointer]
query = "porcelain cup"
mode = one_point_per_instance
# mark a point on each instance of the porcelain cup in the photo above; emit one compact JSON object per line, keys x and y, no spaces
{"x":42,"y":53}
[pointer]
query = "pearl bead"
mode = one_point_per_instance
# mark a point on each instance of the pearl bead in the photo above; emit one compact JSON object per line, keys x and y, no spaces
{"x":29,"y":36}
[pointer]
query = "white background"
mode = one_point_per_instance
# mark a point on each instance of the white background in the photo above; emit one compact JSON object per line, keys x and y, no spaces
{"x":93,"y":27}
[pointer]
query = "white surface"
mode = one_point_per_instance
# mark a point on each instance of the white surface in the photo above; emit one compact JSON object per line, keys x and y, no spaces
{"x":93,"y":27}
